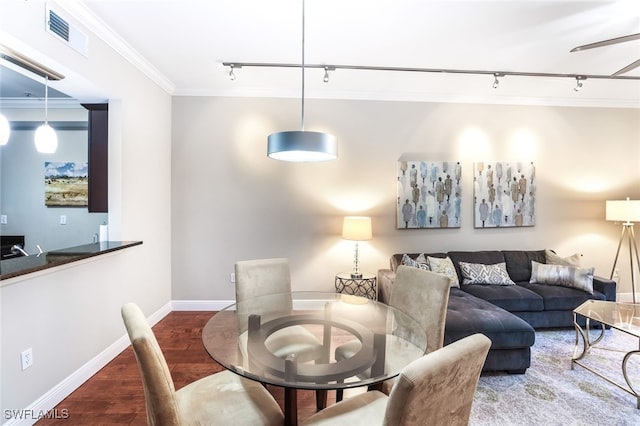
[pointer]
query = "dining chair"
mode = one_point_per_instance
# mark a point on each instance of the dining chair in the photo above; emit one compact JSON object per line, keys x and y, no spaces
{"x":220,"y":398}
{"x":436,"y":389}
{"x":271,"y":277}
{"x":421,"y":294}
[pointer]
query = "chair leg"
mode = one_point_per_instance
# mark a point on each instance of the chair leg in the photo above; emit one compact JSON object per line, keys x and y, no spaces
{"x":339,"y":394}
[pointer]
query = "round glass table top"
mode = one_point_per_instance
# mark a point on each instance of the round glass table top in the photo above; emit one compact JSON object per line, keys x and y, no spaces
{"x":312,"y":340}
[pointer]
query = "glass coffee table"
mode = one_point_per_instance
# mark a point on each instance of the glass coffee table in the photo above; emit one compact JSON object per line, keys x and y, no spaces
{"x":624,"y":317}
{"x":236,"y":338}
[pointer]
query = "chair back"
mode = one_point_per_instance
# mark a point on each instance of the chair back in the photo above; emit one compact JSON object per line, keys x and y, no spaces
{"x":438,"y":388}
{"x":424,"y":296}
{"x":159,"y":390}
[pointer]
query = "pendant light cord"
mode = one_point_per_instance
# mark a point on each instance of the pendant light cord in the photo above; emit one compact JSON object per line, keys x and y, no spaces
{"x":302,"y":119}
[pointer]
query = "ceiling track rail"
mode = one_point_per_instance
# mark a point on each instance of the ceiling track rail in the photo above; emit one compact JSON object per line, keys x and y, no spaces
{"x":501,"y":73}
{"x":28,"y":64}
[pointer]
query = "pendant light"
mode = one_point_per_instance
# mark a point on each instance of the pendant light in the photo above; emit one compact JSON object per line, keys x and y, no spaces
{"x":5,"y":130}
{"x":301,"y":145}
{"x":45,"y":137}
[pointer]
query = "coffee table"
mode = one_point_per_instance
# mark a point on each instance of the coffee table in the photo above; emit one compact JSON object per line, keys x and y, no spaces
{"x":390,"y":340}
{"x":624,"y":317}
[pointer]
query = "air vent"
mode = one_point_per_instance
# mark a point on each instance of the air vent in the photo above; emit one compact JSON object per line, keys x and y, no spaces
{"x":56,"y":25}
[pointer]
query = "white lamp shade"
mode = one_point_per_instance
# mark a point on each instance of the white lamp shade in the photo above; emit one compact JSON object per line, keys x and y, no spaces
{"x":356,"y":228}
{"x":623,"y":210}
{"x":46,"y":139}
{"x":5,"y":130}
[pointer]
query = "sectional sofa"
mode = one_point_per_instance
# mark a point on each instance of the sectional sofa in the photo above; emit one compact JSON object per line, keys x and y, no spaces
{"x":506,"y":295}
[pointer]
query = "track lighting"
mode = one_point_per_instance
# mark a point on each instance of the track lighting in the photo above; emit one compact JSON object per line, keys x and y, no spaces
{"x":232,"y":75}
{"x":579,"y":79}
{"x":496,"y":82}
{"x":326,"y":75}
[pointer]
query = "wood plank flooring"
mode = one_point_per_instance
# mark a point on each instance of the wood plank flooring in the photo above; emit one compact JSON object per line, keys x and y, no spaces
{"x":114,"y":395}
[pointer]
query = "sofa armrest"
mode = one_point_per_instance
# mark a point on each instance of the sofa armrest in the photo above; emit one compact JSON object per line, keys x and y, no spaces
{"x":605,"y":286}
{"x":386,"y":277}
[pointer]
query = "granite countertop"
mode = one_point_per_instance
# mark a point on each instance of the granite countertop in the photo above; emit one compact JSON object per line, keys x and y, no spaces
{"x":23,"y":265}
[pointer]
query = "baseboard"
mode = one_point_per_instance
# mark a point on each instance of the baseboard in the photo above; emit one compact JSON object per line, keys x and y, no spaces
{"x":43,"y":406}
{"x":200,"y":305}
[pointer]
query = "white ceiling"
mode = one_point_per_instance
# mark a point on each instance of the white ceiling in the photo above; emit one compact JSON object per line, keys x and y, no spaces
{"x":184,"y":42}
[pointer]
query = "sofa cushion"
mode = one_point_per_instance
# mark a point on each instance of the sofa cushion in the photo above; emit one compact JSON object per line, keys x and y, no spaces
{"x":419,"y":262}
{"x":396,"y":259}
{"x":513,"y":298}
{"x":553,"y":259}
{"x":479,"y":273}
{"x":467,"y":314}
{"x":566,"y":276}
{"x":488,"y":257}
{"x":445,"y":267}
{"x":558,"y":298}
{"x":519,"y":262}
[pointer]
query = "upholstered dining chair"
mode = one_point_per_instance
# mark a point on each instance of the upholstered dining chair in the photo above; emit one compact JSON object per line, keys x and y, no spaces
{"x":271,"y":277}
{"x":221,"y":398}
{"x":436,"y":389}
{"x":424,"y":296}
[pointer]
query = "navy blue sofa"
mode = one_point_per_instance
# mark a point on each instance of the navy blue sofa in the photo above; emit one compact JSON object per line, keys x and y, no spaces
{"x":508,"y":315}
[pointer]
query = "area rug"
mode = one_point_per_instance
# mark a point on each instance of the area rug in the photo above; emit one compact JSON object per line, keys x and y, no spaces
{"x":551,"y":393}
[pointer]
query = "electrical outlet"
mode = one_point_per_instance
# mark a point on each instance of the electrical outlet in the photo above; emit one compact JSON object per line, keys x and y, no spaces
{"x":3,"y":219}
{"x":26,"y":358}
{"x":233,"y":277}
{"x":63,"y":219}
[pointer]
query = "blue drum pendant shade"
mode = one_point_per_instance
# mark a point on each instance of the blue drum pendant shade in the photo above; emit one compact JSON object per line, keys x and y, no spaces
{"x":302,"y":146}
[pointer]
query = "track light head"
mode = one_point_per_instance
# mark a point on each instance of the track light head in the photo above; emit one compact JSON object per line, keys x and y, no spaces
{"x":496,"y":82}
{"x":579,"y":80}
{"x":232,"y":75}
{"x":326,"y":75}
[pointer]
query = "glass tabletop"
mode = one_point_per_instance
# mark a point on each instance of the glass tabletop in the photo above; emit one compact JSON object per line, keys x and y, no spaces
{"x":376,"y":341}
{"x":622,"y":316}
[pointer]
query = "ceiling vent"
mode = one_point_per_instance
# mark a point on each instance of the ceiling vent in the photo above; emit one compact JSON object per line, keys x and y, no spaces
{"x":65,"y":32}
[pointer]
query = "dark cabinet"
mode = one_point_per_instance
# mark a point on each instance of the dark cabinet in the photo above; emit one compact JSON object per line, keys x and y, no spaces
{"x":98,"y":157}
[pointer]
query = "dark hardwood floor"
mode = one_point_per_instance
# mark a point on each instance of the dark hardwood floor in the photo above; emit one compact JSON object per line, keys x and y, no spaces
{"x":114,"y":395}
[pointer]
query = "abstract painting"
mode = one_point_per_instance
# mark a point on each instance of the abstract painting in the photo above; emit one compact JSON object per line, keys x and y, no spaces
{"x":504,"y":194}
{"x":429,"y":194}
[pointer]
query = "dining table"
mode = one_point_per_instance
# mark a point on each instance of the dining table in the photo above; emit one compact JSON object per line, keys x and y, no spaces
{"x":238,"y":338}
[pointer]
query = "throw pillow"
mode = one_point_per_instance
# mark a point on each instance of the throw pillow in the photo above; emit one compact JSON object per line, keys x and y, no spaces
{"x":566,"y":276}
{"x":480,"y":273}
{"x":419,"y":262}
{"x":444,"y":266}
{"x":554,"y":259}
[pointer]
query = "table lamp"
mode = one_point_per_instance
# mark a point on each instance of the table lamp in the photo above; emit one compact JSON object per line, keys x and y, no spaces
{"x":356,"y":228}
{"x":625,"y":211}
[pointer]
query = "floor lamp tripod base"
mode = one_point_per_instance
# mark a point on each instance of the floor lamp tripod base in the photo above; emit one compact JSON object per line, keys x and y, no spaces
{"x":627,"y":230}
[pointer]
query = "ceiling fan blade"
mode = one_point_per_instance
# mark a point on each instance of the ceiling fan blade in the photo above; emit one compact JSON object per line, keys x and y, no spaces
{"x":628,"y":68}
{"x":611,"y":41}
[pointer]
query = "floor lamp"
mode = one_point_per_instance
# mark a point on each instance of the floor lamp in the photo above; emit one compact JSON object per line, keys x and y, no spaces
{"x":625,"y":211}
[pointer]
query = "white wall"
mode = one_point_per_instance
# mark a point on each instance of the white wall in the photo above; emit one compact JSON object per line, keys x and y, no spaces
{"x":231,"y":202}
{"x":69,"y":315}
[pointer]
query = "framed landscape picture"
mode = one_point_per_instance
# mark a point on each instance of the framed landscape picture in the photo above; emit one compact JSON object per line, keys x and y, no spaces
{"x":504,"y":194}
{"x":429,"y":194}
{"x":66,"y":184}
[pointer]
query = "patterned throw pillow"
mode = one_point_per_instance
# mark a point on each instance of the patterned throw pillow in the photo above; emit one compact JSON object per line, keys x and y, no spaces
{"x":419,"y":262}
{"x":566,"y":276}
{"x":554,"y":259}
{"x":480,"y":273}
{"x":444,"y":267}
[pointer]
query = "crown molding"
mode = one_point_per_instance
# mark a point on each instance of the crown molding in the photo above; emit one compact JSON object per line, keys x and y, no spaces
{"x":80,"y":12}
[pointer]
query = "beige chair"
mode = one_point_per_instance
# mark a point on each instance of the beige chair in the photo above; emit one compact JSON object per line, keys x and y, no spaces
{"x":221,"y":398}
{"x":269,"y":277}
{"x":436,"y":389}
{"x":424,"y":296}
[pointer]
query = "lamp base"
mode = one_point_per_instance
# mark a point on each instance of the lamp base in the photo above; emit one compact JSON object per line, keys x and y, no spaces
{"x":356,"y":275}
